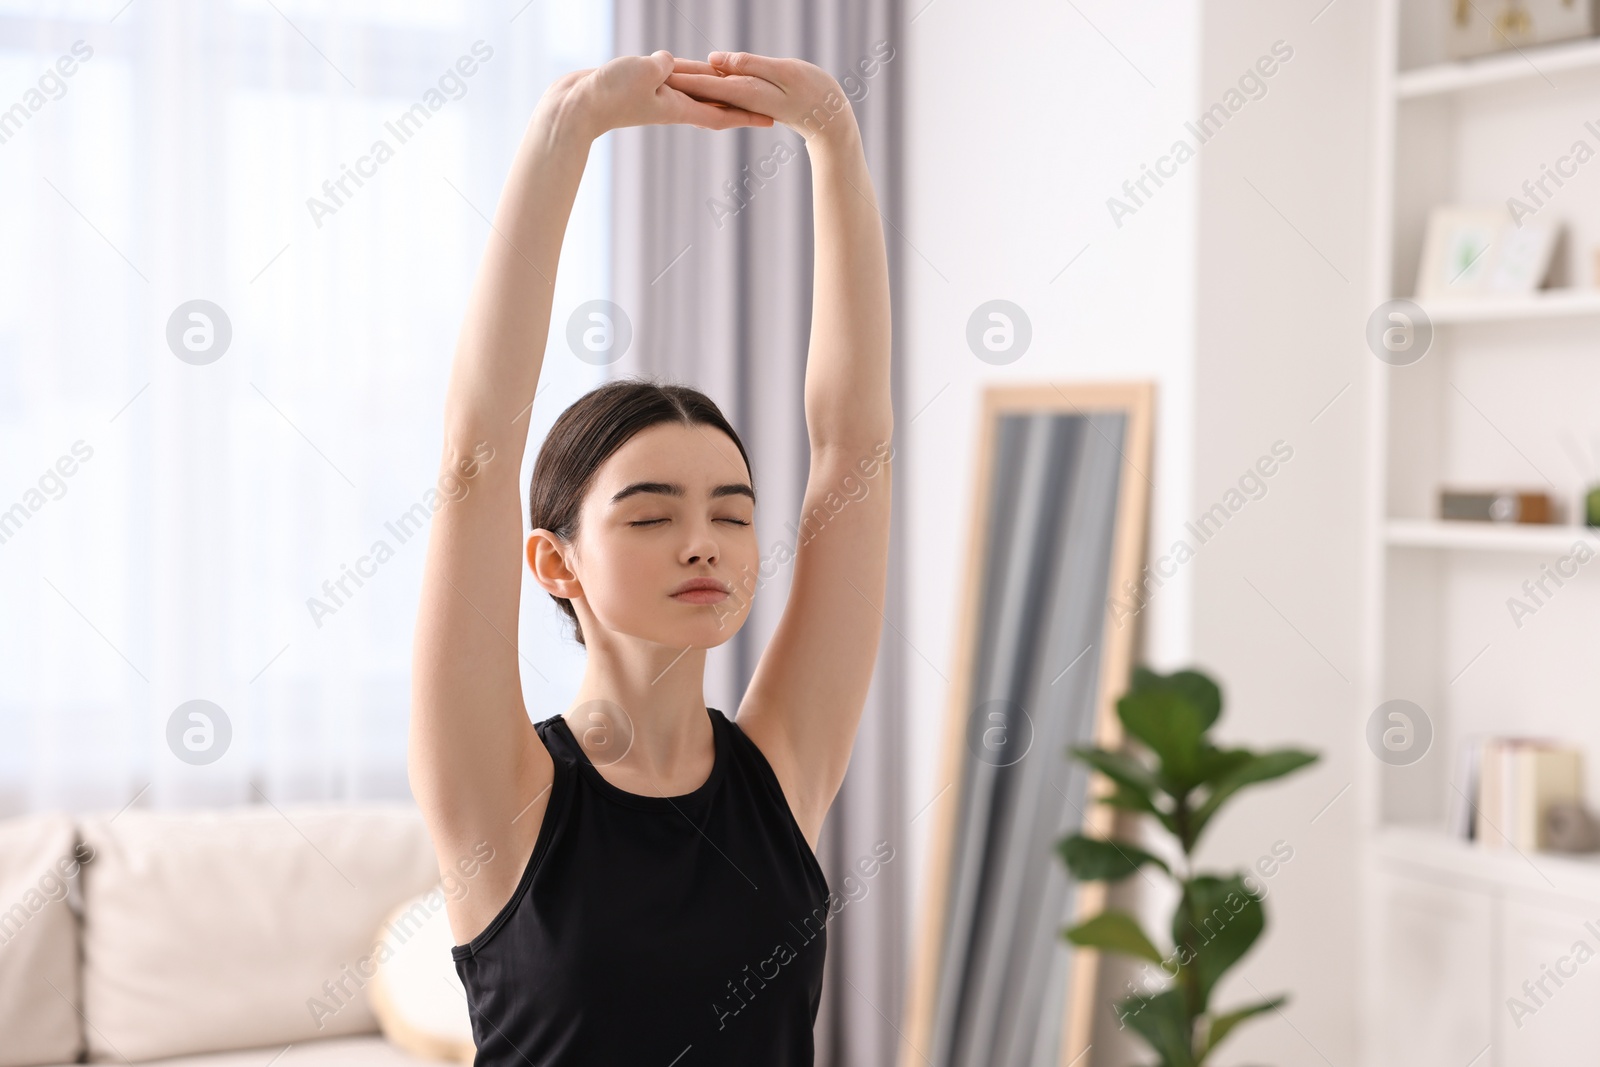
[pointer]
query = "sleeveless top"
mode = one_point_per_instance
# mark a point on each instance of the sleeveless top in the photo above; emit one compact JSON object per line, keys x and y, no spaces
{"x":684,"y":931}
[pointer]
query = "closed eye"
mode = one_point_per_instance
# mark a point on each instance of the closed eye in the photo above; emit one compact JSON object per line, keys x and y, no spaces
{"x":652,"y":522}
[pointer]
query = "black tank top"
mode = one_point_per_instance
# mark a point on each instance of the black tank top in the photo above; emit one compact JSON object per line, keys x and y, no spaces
{"x":652,"y":931}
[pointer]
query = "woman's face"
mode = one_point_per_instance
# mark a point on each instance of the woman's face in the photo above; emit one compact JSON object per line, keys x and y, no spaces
{"x":673,"y":504}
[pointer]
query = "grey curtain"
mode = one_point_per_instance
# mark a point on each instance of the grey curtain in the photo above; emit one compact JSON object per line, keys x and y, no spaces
{"x":718,"y":289}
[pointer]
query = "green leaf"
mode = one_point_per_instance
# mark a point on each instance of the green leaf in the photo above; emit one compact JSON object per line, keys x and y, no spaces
{"x":1128,"y":800}
{"x":1136,"y":787}
{"x":1196,"y":687}
{"x":1217,"y":763}
{"x":1171,"y":726}
{"x":1162,"y":1021}
{"x":1218,"y":919}
{"x":1121,"y":768}
{"x":1094,"y":860}
{"x":1131,"y":800}
{"x":1114,"y":931}
{"x":1259,"y":768}
{"x":1221,"y":1025}
{"x":1143,"y":678}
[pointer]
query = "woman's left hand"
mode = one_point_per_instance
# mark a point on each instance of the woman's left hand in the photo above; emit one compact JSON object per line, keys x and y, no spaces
{"x":798,"y":94}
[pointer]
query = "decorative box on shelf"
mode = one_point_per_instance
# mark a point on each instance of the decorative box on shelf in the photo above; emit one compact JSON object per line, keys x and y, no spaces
{"x":1496,"y":505}
{"x":1479,"y":27}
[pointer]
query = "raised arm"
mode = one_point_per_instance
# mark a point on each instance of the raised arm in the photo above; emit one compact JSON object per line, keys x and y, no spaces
{"x":477,"y":768}
{"x":804,"y":702}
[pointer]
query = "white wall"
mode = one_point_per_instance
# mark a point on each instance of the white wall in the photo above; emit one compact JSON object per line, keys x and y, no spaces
{"x":1023,"y":118}
{"x":1282,"y":287}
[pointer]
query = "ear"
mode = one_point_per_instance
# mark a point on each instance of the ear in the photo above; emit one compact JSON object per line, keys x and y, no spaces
{"x":549,"y":559}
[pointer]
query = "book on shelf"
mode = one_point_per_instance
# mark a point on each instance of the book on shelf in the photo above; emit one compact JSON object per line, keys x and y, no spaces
{"x":1513,"y":781}
{"x":1464,"y":791}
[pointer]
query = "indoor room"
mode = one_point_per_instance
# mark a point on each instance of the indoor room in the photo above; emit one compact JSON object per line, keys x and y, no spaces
{"x":866,"y":533}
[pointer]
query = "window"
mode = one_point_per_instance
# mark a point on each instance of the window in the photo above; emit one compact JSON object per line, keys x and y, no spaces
{"x":248,"y":528}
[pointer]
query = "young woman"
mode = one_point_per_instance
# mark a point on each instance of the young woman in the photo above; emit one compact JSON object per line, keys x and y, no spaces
{"x":642,"y":885}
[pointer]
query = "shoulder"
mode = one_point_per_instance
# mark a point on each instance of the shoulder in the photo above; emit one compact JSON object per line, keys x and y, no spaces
{"x":759,"y":736}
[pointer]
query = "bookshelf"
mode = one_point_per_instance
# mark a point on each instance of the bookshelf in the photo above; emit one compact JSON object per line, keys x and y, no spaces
{"x":1486,"y":537}
{"x":1508,"y":394}
{"x":1440,"y":79}
{"x":1547,"y":304}
{"x":1425,"y":854}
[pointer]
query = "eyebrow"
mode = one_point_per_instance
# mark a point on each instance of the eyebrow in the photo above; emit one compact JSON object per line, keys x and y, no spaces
{"x":676,"y":489}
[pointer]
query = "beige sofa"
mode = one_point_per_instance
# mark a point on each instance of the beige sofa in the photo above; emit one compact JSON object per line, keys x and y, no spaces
{"x":238,"y":937}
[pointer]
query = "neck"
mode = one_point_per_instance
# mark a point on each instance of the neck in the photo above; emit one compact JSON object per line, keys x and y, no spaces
{"x":641,"y":707}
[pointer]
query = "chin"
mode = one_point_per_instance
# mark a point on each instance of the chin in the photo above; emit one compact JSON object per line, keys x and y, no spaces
{"x":713,"y":628}
{"x":706,"y":630}
{"x":708,"y":634}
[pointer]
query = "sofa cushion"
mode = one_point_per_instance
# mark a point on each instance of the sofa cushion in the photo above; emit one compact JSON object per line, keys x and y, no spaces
{"x":417,"y":993}
{"x":38,"y":941}
{"x":364,"y":1051}
{"x":233,"y":928}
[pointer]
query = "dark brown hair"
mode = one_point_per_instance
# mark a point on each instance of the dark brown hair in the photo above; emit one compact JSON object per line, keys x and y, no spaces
{"x":586,"y":434}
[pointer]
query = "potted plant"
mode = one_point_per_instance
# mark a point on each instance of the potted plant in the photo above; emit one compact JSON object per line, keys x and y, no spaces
{"x":1218,"y":917}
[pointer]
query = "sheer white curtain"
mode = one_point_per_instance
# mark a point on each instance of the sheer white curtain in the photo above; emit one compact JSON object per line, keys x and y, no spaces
{"x":247,"y":529}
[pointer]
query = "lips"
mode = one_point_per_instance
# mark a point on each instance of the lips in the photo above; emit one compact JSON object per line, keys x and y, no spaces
{"x":701,"y":591}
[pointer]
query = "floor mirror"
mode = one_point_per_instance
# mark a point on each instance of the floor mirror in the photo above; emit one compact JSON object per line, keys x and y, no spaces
{"x":1045,"y":644}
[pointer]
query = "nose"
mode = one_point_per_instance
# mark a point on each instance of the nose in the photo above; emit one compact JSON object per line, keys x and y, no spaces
{"x":702,"y":547}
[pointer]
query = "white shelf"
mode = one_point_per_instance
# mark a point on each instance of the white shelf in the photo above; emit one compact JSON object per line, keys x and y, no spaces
{"x":1429,"y":850}
{"x":1544,"y":304}
{"x":1468,"y":133}
{"x":1488,"y":536}
{"x":1536,"y":64}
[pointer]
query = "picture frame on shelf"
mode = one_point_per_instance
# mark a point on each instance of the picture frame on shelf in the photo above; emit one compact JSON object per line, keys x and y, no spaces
{"x":1474,"y":252}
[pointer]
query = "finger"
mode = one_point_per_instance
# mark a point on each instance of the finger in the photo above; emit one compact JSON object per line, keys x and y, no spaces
{"x":691,"y":95}
{"x":711,"y":116}
{"x":748,"y":63}
{"x":692,"y":66}
{"x":733,"y":118}
{"x":730,"y":120}
{"x":747,"y":92}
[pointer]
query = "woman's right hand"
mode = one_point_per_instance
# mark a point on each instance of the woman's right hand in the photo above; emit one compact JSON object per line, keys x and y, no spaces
{"x":633,"y":91}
